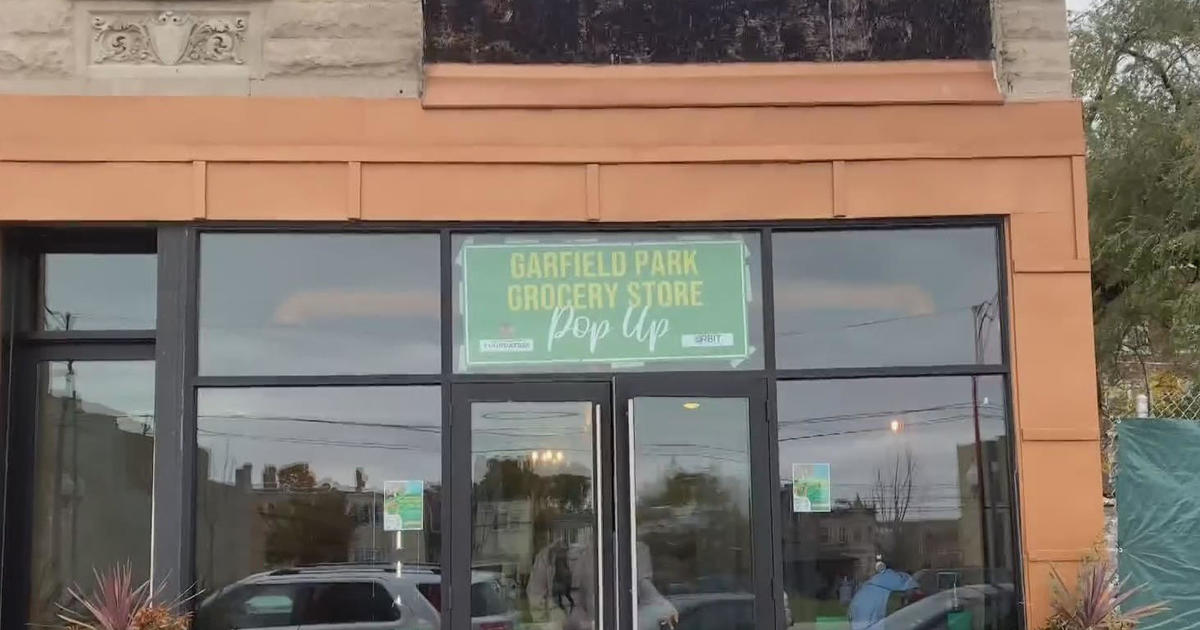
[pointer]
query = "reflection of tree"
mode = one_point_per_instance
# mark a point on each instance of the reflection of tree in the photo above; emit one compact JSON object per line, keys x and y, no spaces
{"x":695,"y":527}
{"x":297,"y":476}
{"x":510,"y":479}
{"x":891,"y":495}
{"x":313,"y":525}
{"x":550,"y":496}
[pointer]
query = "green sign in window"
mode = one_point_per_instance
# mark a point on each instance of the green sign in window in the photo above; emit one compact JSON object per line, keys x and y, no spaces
{"x":403,"y":505}
{"x":541,"y":304}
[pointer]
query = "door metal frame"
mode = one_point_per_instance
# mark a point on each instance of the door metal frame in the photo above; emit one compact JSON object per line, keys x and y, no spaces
{"x":752,"y":387}
{"x":458,"y":512}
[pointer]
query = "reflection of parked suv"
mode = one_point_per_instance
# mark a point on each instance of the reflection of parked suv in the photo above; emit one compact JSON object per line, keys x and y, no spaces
{"x":350,"y":597}
{"x":933,"y":581}
{"x":976,"y":605}
{"x":720,"y":611}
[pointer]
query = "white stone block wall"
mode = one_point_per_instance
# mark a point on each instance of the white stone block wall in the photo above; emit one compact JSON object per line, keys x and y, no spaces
{"x":1032,"y":56}
{"x":369,"y":48}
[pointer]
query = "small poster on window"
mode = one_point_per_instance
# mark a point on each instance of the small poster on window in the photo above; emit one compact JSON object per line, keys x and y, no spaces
{"x":811,"y":488}
{"x":403,"y":505}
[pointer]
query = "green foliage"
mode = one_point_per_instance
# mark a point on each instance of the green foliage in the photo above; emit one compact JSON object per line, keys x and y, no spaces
{"x":1137,"y":69}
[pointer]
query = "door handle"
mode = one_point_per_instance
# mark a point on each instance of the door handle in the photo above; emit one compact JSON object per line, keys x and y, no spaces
{"x":601,"y":499}
{"x":633,"y":552}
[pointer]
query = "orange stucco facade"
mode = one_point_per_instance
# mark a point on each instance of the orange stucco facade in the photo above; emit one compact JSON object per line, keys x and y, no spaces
{"x":637,"y":151}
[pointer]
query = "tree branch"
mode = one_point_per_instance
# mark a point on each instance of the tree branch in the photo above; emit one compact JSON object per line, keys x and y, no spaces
{"x":1163,"y":76}
{"x":1106,"y":78}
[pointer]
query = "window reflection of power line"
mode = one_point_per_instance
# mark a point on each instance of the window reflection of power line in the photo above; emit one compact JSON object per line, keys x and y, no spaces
{"x":312,"y":420}
{"x":68,"y":320}
{"x":316,"y":441}
{"x":931,"y":485}
{"x":531,"y":449}
{"x":356,"y":423}
{"x":691,"y":445}
{"x":873,"y":322}
{"x":887,"y":412}
{"x":693,"y":454}
{"x":909,"y":426}
{"x":527,"y":433}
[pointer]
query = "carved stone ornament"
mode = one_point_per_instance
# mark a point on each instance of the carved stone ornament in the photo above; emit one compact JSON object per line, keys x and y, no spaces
{"x":168,"y":38}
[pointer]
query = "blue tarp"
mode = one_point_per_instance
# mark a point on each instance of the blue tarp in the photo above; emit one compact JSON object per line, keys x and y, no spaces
{"x":1158,"y":512}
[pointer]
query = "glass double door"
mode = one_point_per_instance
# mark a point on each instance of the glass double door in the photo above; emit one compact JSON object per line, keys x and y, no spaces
{"x":622,"y":504}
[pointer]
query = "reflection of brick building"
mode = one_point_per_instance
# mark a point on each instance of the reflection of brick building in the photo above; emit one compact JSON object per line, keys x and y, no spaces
{"x":97,"y":465}
{"x":823,"y":548}
{"x":234,"y":530}
{"x":502,"y":532}
{"x":844,"y":545}
{"x":939,"y":543}
{"x":995,"y":460}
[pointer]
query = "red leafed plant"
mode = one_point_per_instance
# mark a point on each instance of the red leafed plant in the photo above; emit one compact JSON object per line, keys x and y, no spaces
{"x":119,"y":604}
{"x":1095,"y":602}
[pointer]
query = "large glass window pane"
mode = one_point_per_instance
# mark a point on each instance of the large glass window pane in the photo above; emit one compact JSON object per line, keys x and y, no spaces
{"x":93,"y":471}
{"x":692,"y":522}
{"x":319,"y":304}
{"x":604,"y":302}
{"x":534,"y":515}
{"x":886,"y":507}
{"x":321,"y":486}
{"x":98,"y":292}
{"x":870,"y":298}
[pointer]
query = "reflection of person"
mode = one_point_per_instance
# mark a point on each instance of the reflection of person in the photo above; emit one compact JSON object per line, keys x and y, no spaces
{"x":655,"y":612}
{"x":869,"y":605}
{"x":845,"y":590}
{"x":562,"y":585}
{"x":550,"y":580}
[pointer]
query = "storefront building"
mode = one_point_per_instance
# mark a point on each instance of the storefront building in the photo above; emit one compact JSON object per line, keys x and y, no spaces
{"x":337,"y":320}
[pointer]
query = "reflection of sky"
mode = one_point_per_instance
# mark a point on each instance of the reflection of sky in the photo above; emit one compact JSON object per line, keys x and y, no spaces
{"x":391,"y":433}
{"x":847,"y":424}
{"x":100,"y":291}
{"x":121,"y":388}
{"x":514,"y":430}
{"x":319,"y":304}
{"x":711,"y":439}
{"x":883,"y":297}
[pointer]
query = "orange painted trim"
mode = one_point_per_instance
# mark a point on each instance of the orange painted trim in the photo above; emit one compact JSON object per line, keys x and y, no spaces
{"x":709,"y":85}
{"x":839,"y":188}
{"x":1063,"y":434}
{"x":1065,"y":266}
{"x":354,"y":190}
{"x":515,"y":154}
{"x":1080,"y":192}
{"x":1057,"y":555}
{"x":592,"y":191}
{"x":199,"y":189}
{"x":219,"y":129}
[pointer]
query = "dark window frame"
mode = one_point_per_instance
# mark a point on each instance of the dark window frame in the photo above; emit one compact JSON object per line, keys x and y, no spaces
{"x":174,"y":344}
{"x":25,"y":346}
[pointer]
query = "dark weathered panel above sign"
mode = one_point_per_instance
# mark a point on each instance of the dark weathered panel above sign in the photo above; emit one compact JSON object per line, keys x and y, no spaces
{"x":683,"y":31}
